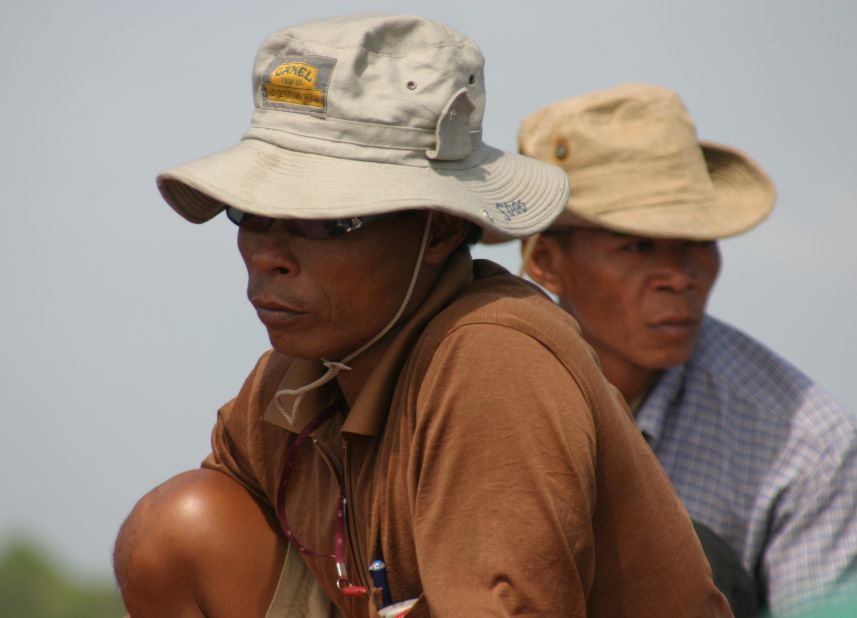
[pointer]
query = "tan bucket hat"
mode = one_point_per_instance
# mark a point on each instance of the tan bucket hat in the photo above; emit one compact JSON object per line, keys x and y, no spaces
{"x":637,"y":167}
{"x":367,"y":114}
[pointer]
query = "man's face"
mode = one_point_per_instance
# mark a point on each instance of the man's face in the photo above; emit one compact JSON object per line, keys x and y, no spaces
{"x":324,"y":298}
{"x":639,"y":301}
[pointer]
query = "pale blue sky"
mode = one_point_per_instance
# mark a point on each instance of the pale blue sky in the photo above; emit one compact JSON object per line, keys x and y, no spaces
{"x":123,"y":327}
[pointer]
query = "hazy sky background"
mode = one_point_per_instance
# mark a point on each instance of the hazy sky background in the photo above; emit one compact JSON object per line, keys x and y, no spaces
{"x":123,"y":327}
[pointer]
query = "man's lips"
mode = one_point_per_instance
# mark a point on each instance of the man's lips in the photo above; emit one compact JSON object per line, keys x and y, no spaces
{"x":678,"y":326}
{"x":272,"y":312}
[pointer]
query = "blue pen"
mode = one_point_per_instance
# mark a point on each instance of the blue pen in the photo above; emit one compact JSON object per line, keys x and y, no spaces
{"x":378,"y":571}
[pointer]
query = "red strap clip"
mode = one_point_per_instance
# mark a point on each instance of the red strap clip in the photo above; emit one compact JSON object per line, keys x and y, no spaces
{"x":354,"y":591}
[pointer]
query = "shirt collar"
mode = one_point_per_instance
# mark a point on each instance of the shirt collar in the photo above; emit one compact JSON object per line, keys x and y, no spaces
{"x":369,"y":411}
{"x":652,"y":413}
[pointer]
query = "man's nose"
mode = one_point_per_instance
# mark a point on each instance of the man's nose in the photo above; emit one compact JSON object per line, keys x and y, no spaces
{"x":270,"y":251}
{"x":677,"y":271}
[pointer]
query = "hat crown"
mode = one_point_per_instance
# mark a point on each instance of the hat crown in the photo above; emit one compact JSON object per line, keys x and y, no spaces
{"x":632,"y":122}
{"x":371,"y":80}
{"x":637,"y":166}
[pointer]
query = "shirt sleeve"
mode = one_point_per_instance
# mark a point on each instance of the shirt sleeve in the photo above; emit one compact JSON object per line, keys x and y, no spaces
{"x":813,"y":543}
{"x":504,"y":479}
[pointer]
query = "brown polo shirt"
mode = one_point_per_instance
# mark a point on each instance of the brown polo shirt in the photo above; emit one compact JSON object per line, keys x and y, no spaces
{"x":486,"y":460}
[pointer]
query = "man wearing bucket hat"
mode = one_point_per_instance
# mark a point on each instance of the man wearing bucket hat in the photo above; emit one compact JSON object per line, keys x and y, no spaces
{"x":417,"y":408}
{"x":757,"y":452}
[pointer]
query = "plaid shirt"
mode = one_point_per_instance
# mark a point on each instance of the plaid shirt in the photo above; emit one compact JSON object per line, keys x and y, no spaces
{"x":765,"y":458}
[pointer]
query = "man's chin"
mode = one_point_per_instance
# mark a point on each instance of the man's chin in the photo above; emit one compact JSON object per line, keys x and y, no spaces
{"x":294,"y":350}
{"x":662,"y":360}
{"x":305,"y":347}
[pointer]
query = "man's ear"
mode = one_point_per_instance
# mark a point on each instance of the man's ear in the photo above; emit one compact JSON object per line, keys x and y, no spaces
{"x":446,"y":234}
{"x":545,"y":262}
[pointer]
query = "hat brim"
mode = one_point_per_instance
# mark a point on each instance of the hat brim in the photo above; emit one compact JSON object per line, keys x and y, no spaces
{"x":743,"y":196}
{"x":261,"y":178}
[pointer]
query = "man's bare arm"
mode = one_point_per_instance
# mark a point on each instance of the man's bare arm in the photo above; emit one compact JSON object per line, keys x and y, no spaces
{"x":198,"y":545}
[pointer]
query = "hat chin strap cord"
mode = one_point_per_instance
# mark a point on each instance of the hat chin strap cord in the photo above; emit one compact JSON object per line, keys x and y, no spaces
{"x":334,"y":367}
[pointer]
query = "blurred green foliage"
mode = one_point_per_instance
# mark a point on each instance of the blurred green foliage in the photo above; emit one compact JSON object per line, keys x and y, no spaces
{"x":32,"y":586}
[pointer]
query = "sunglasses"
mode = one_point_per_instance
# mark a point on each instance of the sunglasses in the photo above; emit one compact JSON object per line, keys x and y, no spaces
{"x":306,"y":228}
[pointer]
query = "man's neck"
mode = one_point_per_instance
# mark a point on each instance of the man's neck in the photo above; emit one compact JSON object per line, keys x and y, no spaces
{"x":632,"y":381}
{"x":351,"y":382}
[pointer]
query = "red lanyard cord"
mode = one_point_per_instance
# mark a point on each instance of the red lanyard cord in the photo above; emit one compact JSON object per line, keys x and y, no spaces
{"x":339,"y":555}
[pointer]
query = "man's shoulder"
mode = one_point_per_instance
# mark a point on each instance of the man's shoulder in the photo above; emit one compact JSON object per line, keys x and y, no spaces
{"x":748,"y":372}
{"x":497,"y":298}
{"x":741,"y":362}
{"x":503,"y":331}
{"x":502,"y":316}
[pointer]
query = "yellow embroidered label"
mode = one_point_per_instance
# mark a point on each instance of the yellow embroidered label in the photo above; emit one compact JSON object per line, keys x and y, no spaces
{"x":295,"y":83}
{"x":296,"y":74}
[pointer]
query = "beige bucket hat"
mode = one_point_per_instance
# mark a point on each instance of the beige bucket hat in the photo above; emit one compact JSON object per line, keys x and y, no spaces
{"x":636,"y":166}
{"x":367,"y":114}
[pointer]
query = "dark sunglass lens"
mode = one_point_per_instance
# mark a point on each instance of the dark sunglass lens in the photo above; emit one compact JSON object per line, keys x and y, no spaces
{"x":235,"y":215}
{"x":248,"y":222}
{"x":308,"y":228}
{"x":313,"y":228}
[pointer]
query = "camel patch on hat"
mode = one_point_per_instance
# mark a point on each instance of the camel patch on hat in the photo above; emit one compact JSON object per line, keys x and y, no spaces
{"x":298,"y":83}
